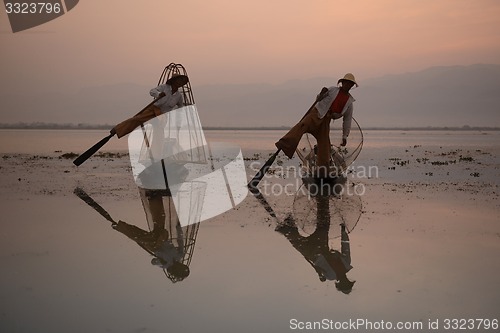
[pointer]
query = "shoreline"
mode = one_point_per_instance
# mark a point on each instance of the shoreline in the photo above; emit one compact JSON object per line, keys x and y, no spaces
{"x":50,"y":126}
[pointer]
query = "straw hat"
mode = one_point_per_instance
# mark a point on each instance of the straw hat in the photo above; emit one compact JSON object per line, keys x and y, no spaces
{"x":181,"y":79}
{"x":349,"y":77}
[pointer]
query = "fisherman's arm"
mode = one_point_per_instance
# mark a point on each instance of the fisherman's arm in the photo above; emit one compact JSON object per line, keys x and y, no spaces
{"x":180,"y":102}
{"x":157,"y":92}
{"x":346,"y":125}
{"x":322,"y":94}
{"x":345,"y":246}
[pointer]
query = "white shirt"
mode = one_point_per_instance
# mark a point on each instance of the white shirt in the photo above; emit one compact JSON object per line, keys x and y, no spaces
{"x":169,"y":101}
{"x":324,"y":105}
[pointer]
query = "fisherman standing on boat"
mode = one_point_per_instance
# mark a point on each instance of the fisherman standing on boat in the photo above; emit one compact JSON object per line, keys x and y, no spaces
{"x":171,"y":98}
{"x":331,"y":103}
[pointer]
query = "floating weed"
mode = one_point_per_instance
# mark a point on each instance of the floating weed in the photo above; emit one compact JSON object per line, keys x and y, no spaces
{"x":439,"y":163}
{"x":465,"y":159}
{"x":398,"y":161}
{"x":255,"y":157}
{"x":68,"y":155}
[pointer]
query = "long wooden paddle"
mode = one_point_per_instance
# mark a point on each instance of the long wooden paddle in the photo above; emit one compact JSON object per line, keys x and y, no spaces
{"x":258,"y":177}
{"x":91,"y":151}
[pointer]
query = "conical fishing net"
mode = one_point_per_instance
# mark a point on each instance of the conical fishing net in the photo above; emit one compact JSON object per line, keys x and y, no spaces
{"x":311,"y":209}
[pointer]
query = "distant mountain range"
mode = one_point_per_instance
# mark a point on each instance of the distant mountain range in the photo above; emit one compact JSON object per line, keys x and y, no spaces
{"x":452,"y":96}
{"x":438,"y":96}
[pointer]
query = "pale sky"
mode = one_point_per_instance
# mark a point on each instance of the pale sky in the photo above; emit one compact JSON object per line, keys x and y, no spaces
{"x":103,"y":42}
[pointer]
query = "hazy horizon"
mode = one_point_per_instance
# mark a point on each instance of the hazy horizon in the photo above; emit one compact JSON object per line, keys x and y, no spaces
{"x":434,"y":97}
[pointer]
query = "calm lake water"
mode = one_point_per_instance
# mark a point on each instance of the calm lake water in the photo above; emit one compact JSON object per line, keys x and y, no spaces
{"x":48,"y":141}
{"x":420,"y":255}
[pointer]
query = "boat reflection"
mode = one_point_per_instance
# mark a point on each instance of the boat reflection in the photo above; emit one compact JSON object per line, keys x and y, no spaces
{"x":170,"y":244}
{"x":334,"y":199}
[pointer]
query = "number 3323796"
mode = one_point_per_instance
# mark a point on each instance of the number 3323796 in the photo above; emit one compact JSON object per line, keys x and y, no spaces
{"x":470,"y":324}
{"x":32,"y":8}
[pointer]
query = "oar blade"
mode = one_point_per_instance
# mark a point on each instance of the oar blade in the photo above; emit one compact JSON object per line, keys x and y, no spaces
{"x":79,"y":192}
{"x":258,"y":177}
{"x":91,"y":151}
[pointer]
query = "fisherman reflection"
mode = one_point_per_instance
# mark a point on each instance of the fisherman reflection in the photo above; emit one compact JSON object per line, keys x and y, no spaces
{"x":168,"y":251}
{"x":168,"y":242}
{"x":328,"y":263}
